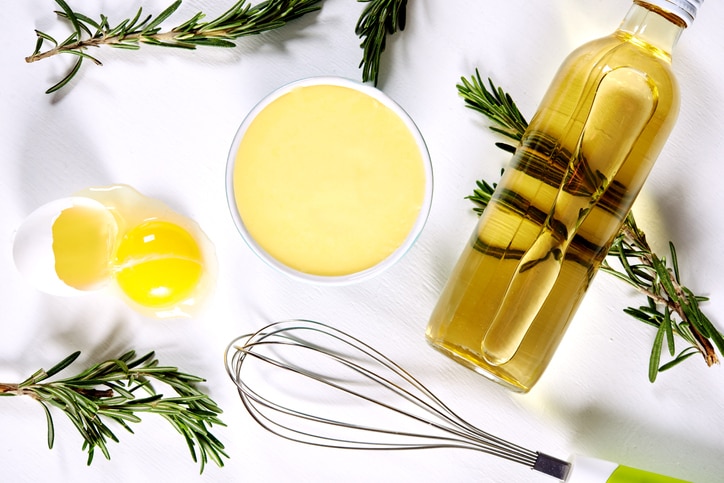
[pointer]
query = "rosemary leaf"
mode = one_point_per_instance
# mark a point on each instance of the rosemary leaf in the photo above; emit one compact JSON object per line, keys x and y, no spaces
{"x":42,"y":37}
{"x":669,"y":331}
{"x":655,"y":359}
{"x":683,"y":355}
{"x":70,"y":15}
{"x":65,"y":80}
{"x":123,"y":45}
{"x":50,"y":425}
{"x":61,"y":365}
{"x":152,"y":24}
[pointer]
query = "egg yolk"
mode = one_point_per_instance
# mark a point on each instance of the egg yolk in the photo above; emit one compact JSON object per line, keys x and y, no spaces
{"x":158,"y":264}
{"x":82,"y":241}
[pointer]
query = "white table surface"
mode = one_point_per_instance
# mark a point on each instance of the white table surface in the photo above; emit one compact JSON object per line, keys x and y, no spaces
{"x":162,"y":121}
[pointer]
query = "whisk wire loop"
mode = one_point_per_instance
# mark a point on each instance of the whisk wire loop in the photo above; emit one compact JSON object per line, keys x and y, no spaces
{"x":257,"y":362}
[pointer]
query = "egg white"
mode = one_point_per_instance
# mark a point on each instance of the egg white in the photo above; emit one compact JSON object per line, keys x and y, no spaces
{"x":33,"y":244}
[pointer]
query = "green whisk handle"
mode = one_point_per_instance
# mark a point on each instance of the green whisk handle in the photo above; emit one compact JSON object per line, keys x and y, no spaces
{"x":591,"y":470}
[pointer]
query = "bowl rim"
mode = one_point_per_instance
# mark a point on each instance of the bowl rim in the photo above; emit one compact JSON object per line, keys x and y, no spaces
{"x":412,"y":235}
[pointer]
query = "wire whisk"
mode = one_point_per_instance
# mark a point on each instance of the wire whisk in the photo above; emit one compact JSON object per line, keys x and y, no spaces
{"x":311,"y":383}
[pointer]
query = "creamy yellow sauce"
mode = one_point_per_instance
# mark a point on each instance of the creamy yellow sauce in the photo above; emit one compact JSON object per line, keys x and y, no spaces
{"x":328,"y":180}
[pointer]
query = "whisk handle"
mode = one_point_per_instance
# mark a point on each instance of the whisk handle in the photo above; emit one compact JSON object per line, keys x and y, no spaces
{"x":592,"y":470}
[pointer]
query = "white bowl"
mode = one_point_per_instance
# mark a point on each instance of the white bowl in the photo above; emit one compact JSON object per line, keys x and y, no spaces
{"x":413,"y":233}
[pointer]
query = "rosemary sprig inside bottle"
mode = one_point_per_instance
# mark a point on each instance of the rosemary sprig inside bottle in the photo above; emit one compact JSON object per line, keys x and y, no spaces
{"x":672,"y":308}
{"x":108,"y":391}
{"x":240,"y":20}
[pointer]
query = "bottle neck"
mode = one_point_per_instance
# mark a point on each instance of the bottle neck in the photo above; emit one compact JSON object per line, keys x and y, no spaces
{"x":656,"y":28}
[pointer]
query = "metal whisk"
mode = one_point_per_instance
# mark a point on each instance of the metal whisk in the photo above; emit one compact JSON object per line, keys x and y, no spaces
{"x":312,"y":383}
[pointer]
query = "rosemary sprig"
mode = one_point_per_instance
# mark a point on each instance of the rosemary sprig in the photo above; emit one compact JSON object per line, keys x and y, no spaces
{"x":650,"y":274}
{"x":379,"y":19}
{"x":496,"y":105}
{"x":107,"y":392}
{"x":242,"y":19}
{"x":630,"y":258}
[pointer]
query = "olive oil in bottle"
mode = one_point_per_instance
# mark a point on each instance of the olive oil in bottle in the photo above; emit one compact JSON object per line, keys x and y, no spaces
{"x":563,"y":198}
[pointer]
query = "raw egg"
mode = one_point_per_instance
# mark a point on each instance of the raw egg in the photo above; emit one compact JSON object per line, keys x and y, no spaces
{"x":160,"y":262}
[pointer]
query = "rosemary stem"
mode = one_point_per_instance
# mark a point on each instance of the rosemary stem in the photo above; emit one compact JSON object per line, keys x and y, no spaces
{"x":170,"y":37}
{"x":704,"y":345}
{"x":76,"y":46}
{"x":8,"y":388}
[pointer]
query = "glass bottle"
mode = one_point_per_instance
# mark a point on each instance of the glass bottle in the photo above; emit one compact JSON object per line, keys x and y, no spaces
{"x":563,"y":198}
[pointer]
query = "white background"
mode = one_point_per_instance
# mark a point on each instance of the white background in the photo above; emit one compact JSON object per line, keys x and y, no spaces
{"x":162,"y":121}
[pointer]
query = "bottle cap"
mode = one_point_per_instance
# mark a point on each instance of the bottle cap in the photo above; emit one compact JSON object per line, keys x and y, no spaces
{"x":684,"y":9}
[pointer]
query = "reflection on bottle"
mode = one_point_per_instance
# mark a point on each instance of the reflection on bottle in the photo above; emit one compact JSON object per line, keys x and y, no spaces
{"x":620,"y":111}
